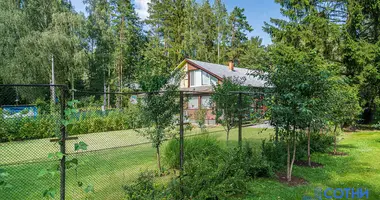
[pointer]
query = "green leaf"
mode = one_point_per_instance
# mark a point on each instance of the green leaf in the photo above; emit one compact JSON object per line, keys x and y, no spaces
{"x":68,"y":112}
{"x":65,"y":122}
{"x":43,"y":172}
{"x":76,"y":147}
{"x":89,"y":188}
{"x":51,"y":155}
{"x":59,"y":155}
{"x":80,"y":183}
{"x":80,"y":146}
{"x":50,"y":192}
{"x":53,"y":173}
{"x":74,"y":161}
{"x":4,"y":174}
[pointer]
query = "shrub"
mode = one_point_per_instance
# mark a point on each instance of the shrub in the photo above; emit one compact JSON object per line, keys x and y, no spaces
{"x":251,"y":162}
{"x":203,"y":146}
{"x":276,"y":152}
{"x":143,"y":188}
{"x":200,"y":118}
{"x":48,"y":125}
{"x":43,"y":106}
{"x":211,"y":172}
{"x":28,"y":128}
{"x":113,"y":120}
{"x":319,"y":143}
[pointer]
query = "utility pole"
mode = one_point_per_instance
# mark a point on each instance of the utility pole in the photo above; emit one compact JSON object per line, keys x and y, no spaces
{"x":52,"y":88}
{"x":104,"y":89}
{"x":72,"y":87}
{"x":218,"y":42}
{"x":240,"y":119}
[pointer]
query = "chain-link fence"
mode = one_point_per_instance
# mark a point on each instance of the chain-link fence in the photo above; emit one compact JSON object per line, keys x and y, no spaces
{"x":30,"y":118}
{"x":76,"y":144}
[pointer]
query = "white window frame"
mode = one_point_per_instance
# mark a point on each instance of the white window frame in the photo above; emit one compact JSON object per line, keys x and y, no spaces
{"x":196,"y":78}
{"x":206,"y":79}
{"x":213,"y":80}
{"x":196,"y":104}
{"x":208,"y":106}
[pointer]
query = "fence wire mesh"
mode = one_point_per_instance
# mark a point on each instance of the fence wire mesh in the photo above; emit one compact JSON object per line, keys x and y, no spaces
{"x":106,"y":143}
{"x":29,"y":119}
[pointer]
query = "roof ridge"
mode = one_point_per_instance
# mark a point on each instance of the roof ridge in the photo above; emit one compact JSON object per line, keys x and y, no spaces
{"x":222,"y":71}
{"x":217,"y":64}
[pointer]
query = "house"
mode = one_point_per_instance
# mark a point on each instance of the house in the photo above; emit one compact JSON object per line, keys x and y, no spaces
{"x":201,"y":76}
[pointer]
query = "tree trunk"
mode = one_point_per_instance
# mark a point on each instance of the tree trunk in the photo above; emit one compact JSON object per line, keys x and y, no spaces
{"x":109,"y":97}
{"x":158,"y":159}
{"x":294,"y":155}
{"x":120,"y":64}
{"x":228,"y":135}
{"x":308,"y":147}
{"x":109,"y":90}
{"x":289,"y":178}
{"x":335,"y":138}
{"x":290,"y":163}
{"x":276,"y":139}
{"x":72,"y":87}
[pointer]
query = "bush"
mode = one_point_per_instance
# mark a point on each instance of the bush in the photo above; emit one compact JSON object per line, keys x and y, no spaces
{"x":211,"y":172}
{"x":47,"y":125}
{"x":276,"y":153}
{"x":200,"y":118}
{"x":28,"y":128}
{"x":319,"y":143}
{"x":113,"y":120}
{"x":203,"y":146}
{"x":143,"y":188}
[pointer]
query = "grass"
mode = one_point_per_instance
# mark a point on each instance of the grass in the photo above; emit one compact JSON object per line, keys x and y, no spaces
{"x":108,"y":170}
{"x":361,"y":169}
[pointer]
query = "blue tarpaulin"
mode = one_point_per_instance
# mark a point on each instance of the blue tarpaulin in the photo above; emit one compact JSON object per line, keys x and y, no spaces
{"x":19,"y":111}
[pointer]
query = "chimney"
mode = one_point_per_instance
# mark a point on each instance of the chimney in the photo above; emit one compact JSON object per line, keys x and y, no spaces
{"x":231,"y":65}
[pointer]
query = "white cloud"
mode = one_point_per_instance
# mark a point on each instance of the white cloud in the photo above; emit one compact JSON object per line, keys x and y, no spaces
{"x":142,"y":8}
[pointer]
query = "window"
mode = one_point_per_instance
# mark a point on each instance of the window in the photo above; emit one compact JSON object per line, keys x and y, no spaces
{"x":195,"y":78}
{"x":192,"y":78}
{"x":199,"y":78}
{"x":214,"y":81}
{"x":205,"y":78}
{"x":193,"y":103}
{"x":206,"y":102}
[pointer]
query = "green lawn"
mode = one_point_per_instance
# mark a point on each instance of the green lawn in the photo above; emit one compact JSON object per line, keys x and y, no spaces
{"x":361,"y":169}
{"x":108,"y":170}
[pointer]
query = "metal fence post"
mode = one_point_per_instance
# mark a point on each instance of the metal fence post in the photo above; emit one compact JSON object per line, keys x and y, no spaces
{"x":181,"y":130}
{"x":240,"y":119}
{"x":63,"y":146}
{"x":181,"y":153}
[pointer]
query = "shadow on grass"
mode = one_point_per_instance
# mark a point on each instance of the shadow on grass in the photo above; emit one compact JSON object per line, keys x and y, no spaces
{"x":346,"y":146}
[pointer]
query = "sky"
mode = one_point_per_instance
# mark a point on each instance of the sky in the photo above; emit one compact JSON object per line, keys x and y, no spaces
{"x":257,"y":12}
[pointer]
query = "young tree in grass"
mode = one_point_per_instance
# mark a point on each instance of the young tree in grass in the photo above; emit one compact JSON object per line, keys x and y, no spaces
{"x":299,"y":80}
{"x":158,"y":109}
{"x":344,"y":106}
{"x":226,"y":103}
{"x":200,"y":118}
